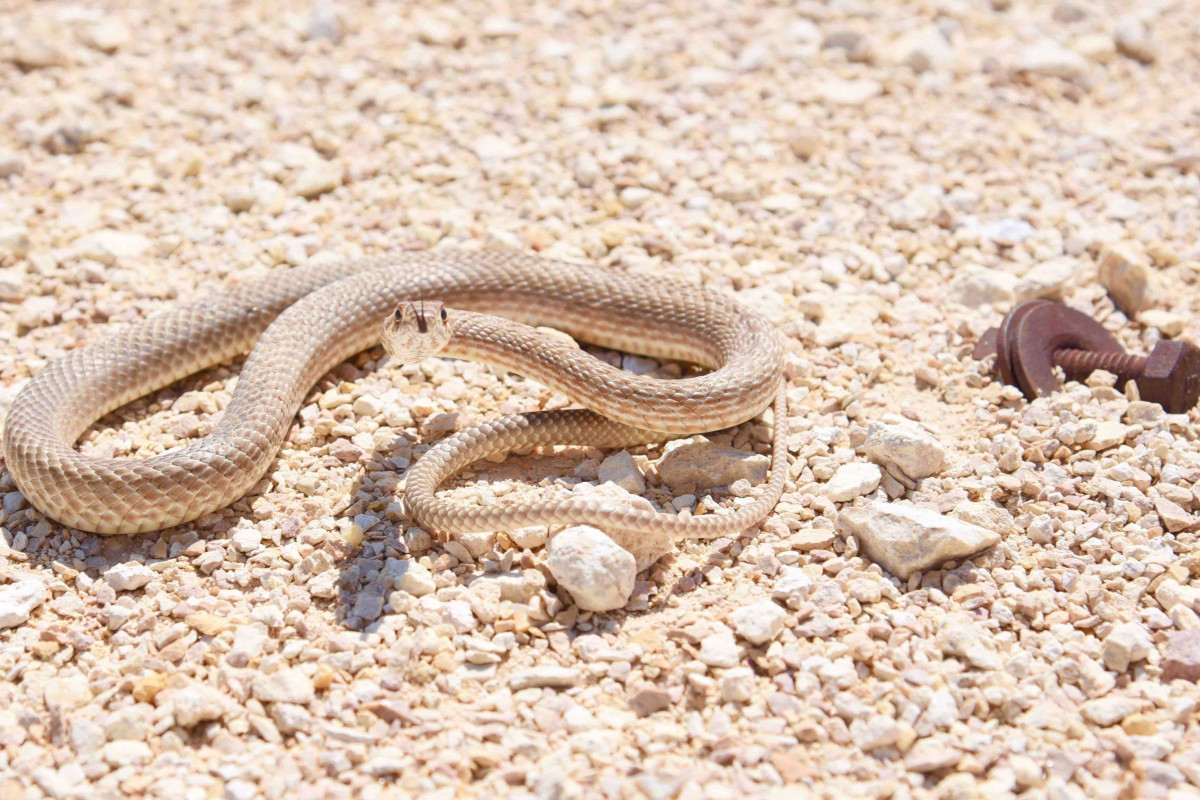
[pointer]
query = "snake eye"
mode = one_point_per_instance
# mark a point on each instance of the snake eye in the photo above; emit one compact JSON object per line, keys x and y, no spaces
{"x":399,"y":314}
{"x":443,"y":315}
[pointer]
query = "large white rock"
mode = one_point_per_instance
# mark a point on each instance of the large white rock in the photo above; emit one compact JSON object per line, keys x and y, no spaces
{"x":597,"y":572}
{"x":18,"y":600}
{"x":905,"y":540}
{"x":704,"y":465}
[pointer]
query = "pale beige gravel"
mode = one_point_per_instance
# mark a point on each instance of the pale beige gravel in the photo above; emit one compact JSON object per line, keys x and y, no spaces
{"x":882,"y":180}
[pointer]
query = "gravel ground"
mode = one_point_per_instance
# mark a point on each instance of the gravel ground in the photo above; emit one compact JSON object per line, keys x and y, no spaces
{"x":962,"y":594}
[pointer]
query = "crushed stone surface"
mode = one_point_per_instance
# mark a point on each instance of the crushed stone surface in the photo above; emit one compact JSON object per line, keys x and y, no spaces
{"x":881,"y":180}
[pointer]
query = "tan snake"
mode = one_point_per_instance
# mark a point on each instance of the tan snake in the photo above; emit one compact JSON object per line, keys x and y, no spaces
{"x":304,"y":321}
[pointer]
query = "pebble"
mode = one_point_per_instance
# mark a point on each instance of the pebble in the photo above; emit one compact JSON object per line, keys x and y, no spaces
{"x":34,"y":52}
{"x":924,"y":49}
{"x":1109,"y":711}
{"x":620,"y":470}
{"x":128,"y":576}
{"x":109,"y":246}
{"x":597,"y":572}
{"x":18,"y":600}
{"x":1046,"y":280}
{"x":410,"y":576}
{"x":1181,"y":660}
{"x":1048,"y":57}
{"x":1127,"y":644}
{"x":248,"y":643}
{"x":1169,"y":323}
{"x":978,"y":286}
{"x":1132,"y":39}
{"x":14,"y":241}
{"x":316,"y":181}
{"x":1126,"y":277}
{"x":758,"y":623}
{"x":719,"y":650}
{"x":197,"y":703}
{"x":905,"y":540}
{"x":850,"y":92}
{"x":851,"y":481}
{"x":548,"y":677}
{"x":792,"y":587}
{"x":107,"y":34}
{"x":737,"y":685}
{"x":914,"y":453}
{"x":648,"y":701}
{"x":704,"y":465}
{"x":874,"y":732}
{"x":284,"y":686}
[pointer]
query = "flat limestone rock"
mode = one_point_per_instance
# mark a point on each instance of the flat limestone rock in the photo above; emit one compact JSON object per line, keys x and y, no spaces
{"x":905,"y":540}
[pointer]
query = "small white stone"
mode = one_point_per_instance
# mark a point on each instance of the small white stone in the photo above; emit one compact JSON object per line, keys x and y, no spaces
{"x":1132,"y":39}
{"x":737,"y":685}
{"x":759,"y":622}
{"x":597,"y":572}
{"x":852,"y":480}
{"x":719,"y":650}
{"x":458,"y":614}
{"x":106,"y":34}
{"x":410,"y":576}
{"x":850,"y":92}
{"x":1126,"y":277}
{"x":1109,"y":711}
{"x":368,"y":406}
{"x":125,"y":752}
{"x":248,"y":643}
{"x":979,"y":286}
{"x":915,"y":453}
{"x":108,"y":247}
{"x":128,"y":576}
{"x":1170,"y":323}
{"x":1048,"y":57}
{"x":197,"y":703}
{"x":316,"y":180}
{"x":14,"y":241}
{"x":873,"y":733}
{"x":1126,"y":644}
{"x":620,"y":469}
{"x":530,"y":538}
{"x":924,"y":49}
{"x":793,"y":586}
{"x":634,"y":196}
{"x":782,"y":203}
{"x":1109,"y":433}
{"x":284,"y":686}
{"x":1046,"y":280}
{"x":548,"y":676}
{"x":246,"y":540}
{"x":18,"y":600}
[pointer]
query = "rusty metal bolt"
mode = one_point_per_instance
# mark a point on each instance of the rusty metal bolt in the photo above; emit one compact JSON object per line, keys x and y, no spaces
{"x":1039,"y":335}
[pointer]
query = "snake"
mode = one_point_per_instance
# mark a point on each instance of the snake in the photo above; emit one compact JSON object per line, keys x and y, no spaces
{"x":299,"y":323}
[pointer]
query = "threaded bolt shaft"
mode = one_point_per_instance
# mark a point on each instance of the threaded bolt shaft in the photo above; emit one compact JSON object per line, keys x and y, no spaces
{"x":1078,"y":364}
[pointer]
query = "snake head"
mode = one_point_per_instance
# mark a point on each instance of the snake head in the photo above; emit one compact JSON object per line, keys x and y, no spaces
{"x":417,"y":329}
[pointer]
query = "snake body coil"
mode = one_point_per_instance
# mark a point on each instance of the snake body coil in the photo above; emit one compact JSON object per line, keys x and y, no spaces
{"x":304,"y":321}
